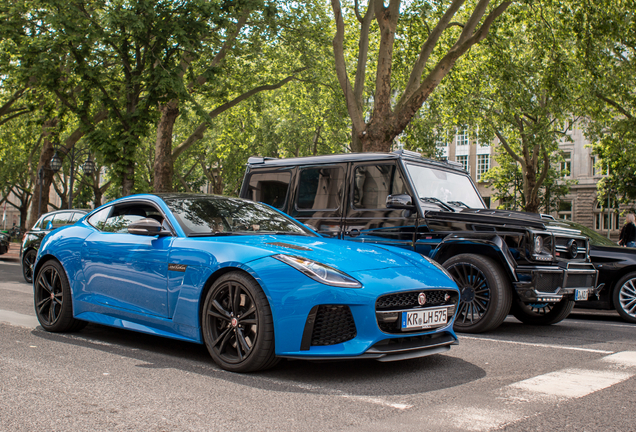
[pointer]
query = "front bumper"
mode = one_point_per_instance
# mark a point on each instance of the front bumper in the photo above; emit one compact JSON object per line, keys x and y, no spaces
{"x":555,"y":283}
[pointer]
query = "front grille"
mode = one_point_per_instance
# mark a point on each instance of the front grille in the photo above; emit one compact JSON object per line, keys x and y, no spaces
{"x":408,"y":300}
{"x":548,"y":282}
{"x":333,"y":325}
{"x":388,"y":307}
{"x":562,"y":248}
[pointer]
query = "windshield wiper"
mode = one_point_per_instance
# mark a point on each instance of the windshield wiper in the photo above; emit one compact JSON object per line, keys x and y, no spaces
{"x":437,"y":201}
{"x":459,"y":204}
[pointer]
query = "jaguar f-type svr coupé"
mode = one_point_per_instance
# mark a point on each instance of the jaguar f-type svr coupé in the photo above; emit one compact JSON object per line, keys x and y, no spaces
{"x":249,"y":282}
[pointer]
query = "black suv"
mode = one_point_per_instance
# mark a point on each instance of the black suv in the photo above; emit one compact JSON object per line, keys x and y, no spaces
{"x":502,"y":261}
{"x":32,"y":239}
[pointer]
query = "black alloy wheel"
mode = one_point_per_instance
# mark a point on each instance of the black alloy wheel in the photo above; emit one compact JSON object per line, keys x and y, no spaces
{"x":485,"y":293}
{"x":27,"y":265}
{"x":237,"y":324}
{"x":624,"y":297}
{"x":52,"y":299}
{"x":541,"y":313}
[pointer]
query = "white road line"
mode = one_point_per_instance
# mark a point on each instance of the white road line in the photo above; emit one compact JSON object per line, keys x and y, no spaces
{"x":571,"y":383}
{"x":538,"y":345}
{"x":598,"y":323}
{"x":623,"y":358}
{"x":20,"y":320}
{"x":322,"y":390}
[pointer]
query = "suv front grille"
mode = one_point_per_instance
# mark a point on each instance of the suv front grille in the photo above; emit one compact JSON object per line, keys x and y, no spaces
{"x":563,"y":248}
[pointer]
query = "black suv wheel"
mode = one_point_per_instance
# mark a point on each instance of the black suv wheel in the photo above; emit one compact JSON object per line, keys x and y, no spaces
{"x":485,"y":292}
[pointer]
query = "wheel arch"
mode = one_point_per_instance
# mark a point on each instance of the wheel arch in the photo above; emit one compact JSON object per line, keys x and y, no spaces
{"x":493,"y":247}
{"x":216,"y":275}
{"x":43,"y":260}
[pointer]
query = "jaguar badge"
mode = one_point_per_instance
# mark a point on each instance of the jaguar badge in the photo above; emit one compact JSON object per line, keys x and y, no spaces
{"x":421,"y":299}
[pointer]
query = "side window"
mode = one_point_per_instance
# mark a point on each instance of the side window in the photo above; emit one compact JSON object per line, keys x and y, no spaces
{"x":44,"y":222}
{"x":125,"y":214}
{"x":270,"y":188}
{"x":373,"y":183}
{"x":320,"y":188}
{"x":98,"y":219}
{"x":61,"y":219}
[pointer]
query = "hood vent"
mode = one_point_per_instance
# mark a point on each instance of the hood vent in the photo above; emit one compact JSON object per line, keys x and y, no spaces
{"x":290,"y":246}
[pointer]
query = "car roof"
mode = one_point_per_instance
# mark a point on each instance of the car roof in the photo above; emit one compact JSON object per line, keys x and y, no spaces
{"x":259,"y":161}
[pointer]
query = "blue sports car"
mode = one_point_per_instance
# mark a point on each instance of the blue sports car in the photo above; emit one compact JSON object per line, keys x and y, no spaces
{"x":249,"y":282}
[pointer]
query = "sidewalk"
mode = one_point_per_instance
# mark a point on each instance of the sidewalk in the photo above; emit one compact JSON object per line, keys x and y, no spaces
{"x":13,"y":255}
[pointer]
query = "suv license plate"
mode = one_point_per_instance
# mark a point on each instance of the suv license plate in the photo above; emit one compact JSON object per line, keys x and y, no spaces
{"x":424,"y":318}
{"x":580,"y":294}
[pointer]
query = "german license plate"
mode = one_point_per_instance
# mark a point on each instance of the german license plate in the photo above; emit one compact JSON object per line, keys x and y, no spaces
{"x":580,"y":294}
{"x":424,"y":318}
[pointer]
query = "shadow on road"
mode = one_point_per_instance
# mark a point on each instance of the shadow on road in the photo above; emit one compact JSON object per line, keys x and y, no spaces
{"x":354,"y":377}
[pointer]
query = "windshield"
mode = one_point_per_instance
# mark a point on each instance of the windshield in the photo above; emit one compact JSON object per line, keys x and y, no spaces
{"x":450,"y":188}
{"x":213,"y":215}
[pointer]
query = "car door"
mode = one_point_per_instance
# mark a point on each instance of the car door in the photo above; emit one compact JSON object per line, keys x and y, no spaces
{"x":123,"y":270}
{"x":319,"y":198}
{"x":367,"y":219}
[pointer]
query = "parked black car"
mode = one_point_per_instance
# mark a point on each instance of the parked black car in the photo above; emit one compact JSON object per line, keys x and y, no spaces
{"x":5,"y":240}
{"x":503,"y":261}
{"x":32,"y":239}
{"x":616,"y":267}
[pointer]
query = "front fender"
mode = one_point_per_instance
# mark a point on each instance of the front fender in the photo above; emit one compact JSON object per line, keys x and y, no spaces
{"x":488,"y":244}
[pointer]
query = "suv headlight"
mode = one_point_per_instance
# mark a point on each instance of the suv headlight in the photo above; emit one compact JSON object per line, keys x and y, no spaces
{"x":319,"y":272}
{"x":542,"y":247}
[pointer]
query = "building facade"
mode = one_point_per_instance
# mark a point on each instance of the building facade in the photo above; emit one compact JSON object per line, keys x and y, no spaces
{"x":580,"y":205}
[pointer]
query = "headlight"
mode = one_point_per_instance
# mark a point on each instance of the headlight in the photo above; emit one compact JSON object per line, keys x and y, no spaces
{"x":438,"y":265}
{"x":538,"y":244}
{"x":319,"y":272}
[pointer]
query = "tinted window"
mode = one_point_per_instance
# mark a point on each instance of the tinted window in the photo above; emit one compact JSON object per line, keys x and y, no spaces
{"x":61,"y":219}
{"x":320,"y":188}
{"x":270,"y":188}
{"x":207,"y":215}
{"x":373,"y":183}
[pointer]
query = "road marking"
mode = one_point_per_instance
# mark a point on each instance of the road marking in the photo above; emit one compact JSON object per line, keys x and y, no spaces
{"x":538,"y":345}
{"x":571,"y":383}
{"x":340,"y":393}
{"x":624,"y":358}
{"x":20,"y":320}
{"x":571,"y":321}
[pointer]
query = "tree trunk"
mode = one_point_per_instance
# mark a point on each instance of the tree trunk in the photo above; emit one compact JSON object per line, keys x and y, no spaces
{"x":164,"y":167}
{"x":40,"y":202}
{"x":128,"y":179}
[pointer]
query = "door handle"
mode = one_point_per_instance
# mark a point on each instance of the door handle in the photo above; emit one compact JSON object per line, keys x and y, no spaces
{"x":353,"y":233}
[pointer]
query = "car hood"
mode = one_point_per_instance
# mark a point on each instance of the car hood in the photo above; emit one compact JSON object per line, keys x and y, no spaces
{"x":503,"y":217}
{"x":343,"y":255}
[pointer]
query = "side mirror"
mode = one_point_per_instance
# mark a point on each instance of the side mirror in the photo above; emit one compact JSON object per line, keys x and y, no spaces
{"x":400,"y":201}
{"x":49,"y":225}
{"x":147,"y":227}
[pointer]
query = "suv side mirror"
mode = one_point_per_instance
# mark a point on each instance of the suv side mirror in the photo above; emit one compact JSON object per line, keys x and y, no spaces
{"x":148,"y":227}
{"x":400,"y":201}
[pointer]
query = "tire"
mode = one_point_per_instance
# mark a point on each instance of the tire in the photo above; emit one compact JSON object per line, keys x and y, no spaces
{"x":486,"y":292}
{"x":541,"y":313}
{"x":624,"y":297}
{"x":237,"y":324}
{"x":27,"y":265}
{"x":52,"y":299}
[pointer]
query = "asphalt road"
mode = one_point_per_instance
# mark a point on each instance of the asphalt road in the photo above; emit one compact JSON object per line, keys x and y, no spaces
{"x":578,"y":375}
